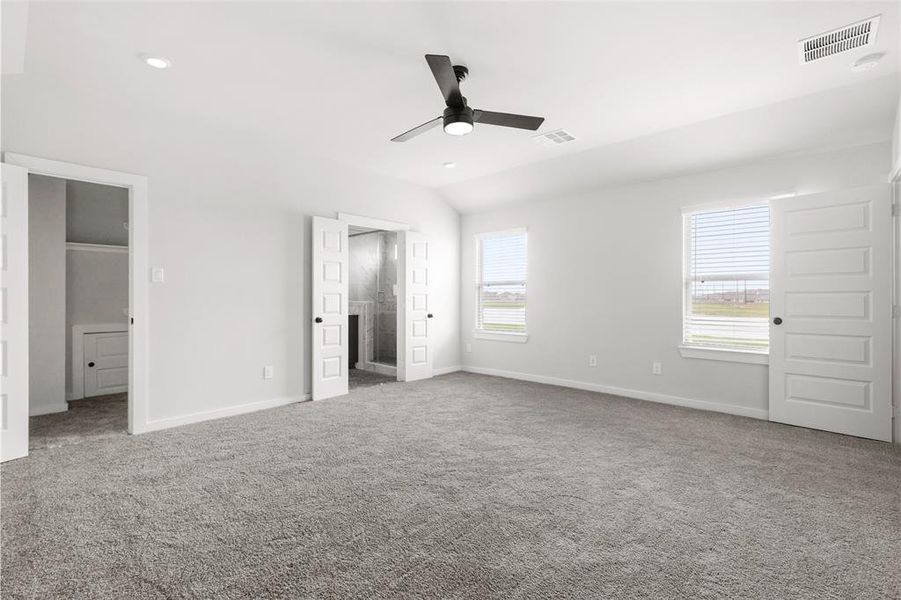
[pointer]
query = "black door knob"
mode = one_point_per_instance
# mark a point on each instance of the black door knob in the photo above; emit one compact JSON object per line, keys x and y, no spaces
{"x":777,"y":321}
{"x":429,"y":315}
{"x":90,"y":364}
{"x":318,"y":319}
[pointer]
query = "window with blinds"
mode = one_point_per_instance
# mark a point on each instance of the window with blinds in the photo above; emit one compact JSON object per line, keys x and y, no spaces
{"x":727,"y":278}
{"x":501,"y":295}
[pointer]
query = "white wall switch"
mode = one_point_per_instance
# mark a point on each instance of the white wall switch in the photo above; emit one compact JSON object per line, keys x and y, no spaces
{"x":157,"y":275}
{"x":268,"y":370}
{"x":657,"y":368}
{"x":593,"y":360}
{"x":469,"y":347}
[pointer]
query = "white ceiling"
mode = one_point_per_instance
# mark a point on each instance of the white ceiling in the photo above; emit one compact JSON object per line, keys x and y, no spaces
{"x":342,"y":79}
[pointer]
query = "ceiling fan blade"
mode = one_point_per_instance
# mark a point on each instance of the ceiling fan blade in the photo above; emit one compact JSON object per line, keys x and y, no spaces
{"x":507,"y":119}
{"x":446,"y":78}
{"x":417,"y":130}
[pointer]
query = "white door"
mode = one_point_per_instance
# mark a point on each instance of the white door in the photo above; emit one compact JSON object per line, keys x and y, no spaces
{"x":105,"y":363}
{"x":330,"y":320}
{"x":14,"y":317}
{"x":414,"y":316}
{"x":830,"y":312}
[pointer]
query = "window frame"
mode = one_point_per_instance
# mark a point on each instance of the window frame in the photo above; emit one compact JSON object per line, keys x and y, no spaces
{"x":701,"y":351}
{"x":489,"y":334}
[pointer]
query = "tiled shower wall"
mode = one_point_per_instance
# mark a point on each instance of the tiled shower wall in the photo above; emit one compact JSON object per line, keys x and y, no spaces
{"x":373,"y":275}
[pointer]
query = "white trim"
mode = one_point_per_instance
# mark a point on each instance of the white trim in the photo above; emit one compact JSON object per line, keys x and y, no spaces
{"x":447,"y":370}
{"x":725,"y":354}
{"x":220,"y":413}
{"x":731,"y":409}
{"x":47,"y":409}
{"x":138,"y":267}
{"x":499,"y":336}
{"x":77,"y":365}
{"x":487,"y":235}
{"x":78,"y":246}
{"x":727,"y":204}
{"x":361,"y":221}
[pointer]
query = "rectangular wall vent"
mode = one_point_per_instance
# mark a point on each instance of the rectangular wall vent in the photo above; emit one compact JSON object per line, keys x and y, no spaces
{"x":850,"y":37}
{"x":553,"y":138}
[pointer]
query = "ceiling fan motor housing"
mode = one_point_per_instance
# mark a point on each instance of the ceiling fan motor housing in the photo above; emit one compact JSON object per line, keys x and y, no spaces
{"x":457,"y":114}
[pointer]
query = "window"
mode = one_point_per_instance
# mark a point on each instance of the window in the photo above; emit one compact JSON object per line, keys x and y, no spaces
{"x":727,"y":279}
{"x":501,"y":295}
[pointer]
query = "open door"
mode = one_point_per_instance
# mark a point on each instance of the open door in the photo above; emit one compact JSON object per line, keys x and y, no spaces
{"x":330,"y":321}
{"x":830,"y":312}
{"x":414,"y":316}
{"x":14,"y":318}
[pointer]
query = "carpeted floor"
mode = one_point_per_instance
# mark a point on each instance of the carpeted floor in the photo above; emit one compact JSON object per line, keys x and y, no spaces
{"x":462,"y":486}
{"x":85,"y":421}
{"x":358,"y":378}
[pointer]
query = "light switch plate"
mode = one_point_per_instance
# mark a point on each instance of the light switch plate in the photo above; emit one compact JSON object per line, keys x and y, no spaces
{"x":157,"y":275}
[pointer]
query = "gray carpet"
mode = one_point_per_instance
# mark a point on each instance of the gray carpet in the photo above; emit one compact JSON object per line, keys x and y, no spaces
{"x":85,"y":421}
{"x":358,"y":378}
{"x":463,"y":486}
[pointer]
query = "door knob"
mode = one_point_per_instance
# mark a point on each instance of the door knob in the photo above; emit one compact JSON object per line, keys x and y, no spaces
{"x":90,"y":364}
{"x":318,"y":319}
{"x":429,"y":315}
{"x":777,"y":321}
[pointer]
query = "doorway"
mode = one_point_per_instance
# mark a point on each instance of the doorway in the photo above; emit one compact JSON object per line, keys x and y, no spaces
{"x":118,"y":346}
{"x":78,"y":309}
{"x":396,"y":282}
{"x":372,"y":306}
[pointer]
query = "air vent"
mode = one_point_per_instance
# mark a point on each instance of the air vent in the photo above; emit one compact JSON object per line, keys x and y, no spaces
{"x":554,"y":138}
{"x":850,"y":37}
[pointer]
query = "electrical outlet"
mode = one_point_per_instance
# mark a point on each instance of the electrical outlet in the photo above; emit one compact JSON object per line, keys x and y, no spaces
{"x":469,"y":347}
{"x":592,"y":360}
{"x":268,"y":371}
{"x":157,"y":275}
{"x":657,"y":368}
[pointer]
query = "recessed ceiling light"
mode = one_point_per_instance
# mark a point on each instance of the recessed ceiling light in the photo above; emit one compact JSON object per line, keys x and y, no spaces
{"x":450,"y":165}
{"x":867,"y":63}
{"x":157,"y":62}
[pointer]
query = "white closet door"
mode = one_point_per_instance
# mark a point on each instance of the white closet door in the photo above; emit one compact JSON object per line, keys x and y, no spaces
{"x":14,"y":317}
{"x":414,"y":316}
{"x":105,"y":363}
{"x":830,"y":312}
{"x":330,"y":320}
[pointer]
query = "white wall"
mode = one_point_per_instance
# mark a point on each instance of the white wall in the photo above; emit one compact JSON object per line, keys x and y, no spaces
{"x":46,"y":294}
{"x":96,"y":292}
{"x":605,"y":269}
{"x":230,"y":222}
{"x":95,"y":213}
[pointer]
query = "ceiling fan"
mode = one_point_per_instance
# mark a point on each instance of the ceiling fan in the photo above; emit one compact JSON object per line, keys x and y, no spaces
{"x":458,"y":118}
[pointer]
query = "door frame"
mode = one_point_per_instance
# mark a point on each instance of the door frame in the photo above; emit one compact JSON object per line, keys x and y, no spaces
{"x":384,"y":225}
{"x":895,"y":182}
{"x":138,"y":267}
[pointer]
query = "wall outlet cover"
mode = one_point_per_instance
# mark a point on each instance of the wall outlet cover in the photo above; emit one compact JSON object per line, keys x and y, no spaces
{"x":469,"y":347}
{"x":593,"y":360}
{"x":657,"y":368}
{"x":268,"y":371}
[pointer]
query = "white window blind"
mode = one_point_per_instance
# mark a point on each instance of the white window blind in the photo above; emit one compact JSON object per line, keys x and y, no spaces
{"x":727,"y":278}
{"x":501,"y":295}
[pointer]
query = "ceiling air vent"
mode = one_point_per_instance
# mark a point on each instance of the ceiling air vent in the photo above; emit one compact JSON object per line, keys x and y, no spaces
{"x":554,"y":138}
{"x":850,"y":37}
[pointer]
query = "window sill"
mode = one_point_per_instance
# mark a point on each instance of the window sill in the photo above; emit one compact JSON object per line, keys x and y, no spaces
{"x":723,"y":354}
{"x":517,"y":338}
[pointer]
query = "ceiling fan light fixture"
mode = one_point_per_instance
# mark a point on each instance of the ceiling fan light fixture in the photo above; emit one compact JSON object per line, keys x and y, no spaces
{"x":458,"y":121}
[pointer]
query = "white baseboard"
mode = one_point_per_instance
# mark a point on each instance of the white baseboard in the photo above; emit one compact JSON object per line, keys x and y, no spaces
{"x":220,"y":413}
{"x":446,"y":370}
{"x":47,"y":409}
{"x":742,"y":411}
